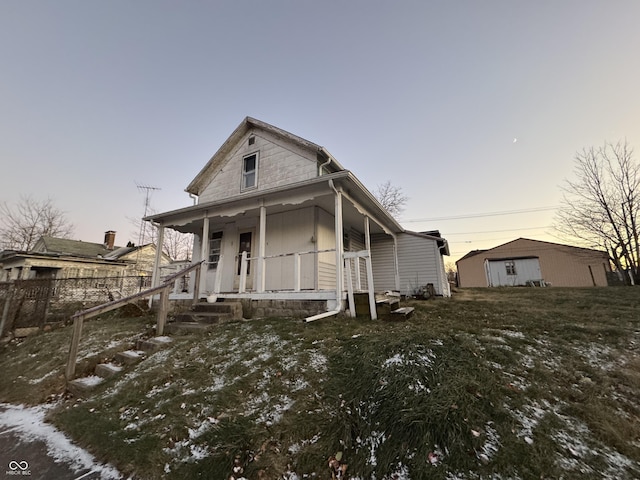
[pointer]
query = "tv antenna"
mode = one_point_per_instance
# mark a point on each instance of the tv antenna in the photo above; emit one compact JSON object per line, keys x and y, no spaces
{"x":148,"y":190}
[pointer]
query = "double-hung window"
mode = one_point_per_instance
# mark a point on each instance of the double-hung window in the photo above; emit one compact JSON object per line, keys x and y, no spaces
{"x":250,"y":171}
{"x":215,"y":247}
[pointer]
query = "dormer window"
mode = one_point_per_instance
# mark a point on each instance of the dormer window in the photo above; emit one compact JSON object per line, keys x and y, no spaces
{"x":250,"y":171}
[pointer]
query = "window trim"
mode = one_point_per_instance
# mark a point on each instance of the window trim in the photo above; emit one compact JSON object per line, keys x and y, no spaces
{"x":217,"y":235}
{"x":245,"y":173}
{"x":510,"y":266}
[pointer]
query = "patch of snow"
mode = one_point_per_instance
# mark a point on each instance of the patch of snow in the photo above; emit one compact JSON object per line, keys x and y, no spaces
{"x":163,"y":339}
{"x":491,"y":444}
{"x":28,"y":423}
{"x":90,"y":380}
{"x":317,"y":361}
{"x":38,"y":380}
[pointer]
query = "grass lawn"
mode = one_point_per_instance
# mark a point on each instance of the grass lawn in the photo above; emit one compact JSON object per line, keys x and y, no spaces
{"x":492,"y":383}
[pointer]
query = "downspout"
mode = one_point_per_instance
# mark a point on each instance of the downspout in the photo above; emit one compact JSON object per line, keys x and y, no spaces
{"x":194,"y":197}
{"x":321,"y":166}
{"x":338,"y":307}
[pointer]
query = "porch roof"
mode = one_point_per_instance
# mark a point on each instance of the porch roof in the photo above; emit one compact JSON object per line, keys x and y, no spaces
{"x":317,"y":190}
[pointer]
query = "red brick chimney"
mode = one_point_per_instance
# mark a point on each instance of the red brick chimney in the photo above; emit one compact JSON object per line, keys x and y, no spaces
{"x":109,"y":239}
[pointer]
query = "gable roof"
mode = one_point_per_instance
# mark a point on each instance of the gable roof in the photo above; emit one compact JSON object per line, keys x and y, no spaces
{"x":249,"y":123}
{"x":537,"y":243}
{"x":63,"y":246}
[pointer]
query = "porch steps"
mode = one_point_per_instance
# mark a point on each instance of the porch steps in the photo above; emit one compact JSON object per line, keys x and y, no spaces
{"x":387,"y":306}
{"x":83,"y":387}
{"x":401,"y":313}
{"x":204,"y":316}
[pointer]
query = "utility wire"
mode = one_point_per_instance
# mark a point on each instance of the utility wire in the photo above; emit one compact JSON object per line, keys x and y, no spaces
{"x":480,"y":215}
{"x":495,"y":231}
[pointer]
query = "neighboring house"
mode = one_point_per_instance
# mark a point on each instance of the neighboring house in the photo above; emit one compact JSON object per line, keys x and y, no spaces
{"x":62,"y":258}
{"x":524,"y":261}
{"x":298,"y":217}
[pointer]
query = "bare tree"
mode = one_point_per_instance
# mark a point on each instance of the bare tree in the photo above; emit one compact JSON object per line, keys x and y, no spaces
{"x":391,"y":198}
{"x":602,"y":205}
{"x":23,"y":224}
{"x":176,"y":244}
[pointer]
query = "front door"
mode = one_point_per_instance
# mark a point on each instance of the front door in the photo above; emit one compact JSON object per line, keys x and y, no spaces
{"x":245,"y":244}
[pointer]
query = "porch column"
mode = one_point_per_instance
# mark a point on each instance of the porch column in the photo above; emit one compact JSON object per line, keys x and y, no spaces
{"x":204,"y":254}
{"x":339,"y":249}
{"x":368,"y":261}
{"x":155,"y":277}
{"x":262,"y":242}
{"x":395,"y":261}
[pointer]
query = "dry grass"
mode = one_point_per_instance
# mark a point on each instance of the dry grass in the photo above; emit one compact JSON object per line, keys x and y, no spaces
{"x":503,"y":383}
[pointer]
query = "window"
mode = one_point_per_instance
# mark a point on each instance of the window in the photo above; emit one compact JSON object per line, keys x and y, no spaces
{"x":249,"y":171}
{"x":511,"y":267}
{"x":215,"y":247}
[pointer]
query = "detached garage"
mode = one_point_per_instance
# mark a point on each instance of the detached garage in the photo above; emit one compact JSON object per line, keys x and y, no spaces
{"x":524,"y":260}
{"x":512,"y":272}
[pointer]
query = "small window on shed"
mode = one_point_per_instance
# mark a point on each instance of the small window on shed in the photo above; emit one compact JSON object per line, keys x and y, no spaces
{"x":510,"y":265}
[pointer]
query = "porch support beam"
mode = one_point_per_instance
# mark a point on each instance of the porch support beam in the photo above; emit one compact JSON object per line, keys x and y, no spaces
{"x":369,"y":264}
{"x":262,"y":242}
{"x":339,"y":248}
{"x":395,"y":261}
{"x":204,"y":253}
{"x":155,"y":278}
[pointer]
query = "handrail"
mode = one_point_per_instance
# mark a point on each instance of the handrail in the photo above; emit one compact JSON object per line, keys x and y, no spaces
{"x":79,"y":317}
{"x":291,"y":254}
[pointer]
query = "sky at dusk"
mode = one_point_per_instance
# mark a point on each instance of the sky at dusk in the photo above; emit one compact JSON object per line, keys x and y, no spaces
{"x":474,"y":108}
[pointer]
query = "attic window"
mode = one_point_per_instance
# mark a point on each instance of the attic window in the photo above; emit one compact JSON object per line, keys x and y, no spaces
{"x":249,"y":171}
{"x":252,"y":140}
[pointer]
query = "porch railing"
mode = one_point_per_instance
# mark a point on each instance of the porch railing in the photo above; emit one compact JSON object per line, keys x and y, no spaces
{"x":161,"y":317}
{"x":245,"y":259}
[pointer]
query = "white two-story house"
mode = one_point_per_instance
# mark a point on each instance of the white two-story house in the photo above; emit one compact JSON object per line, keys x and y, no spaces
{"x":276,"y":217}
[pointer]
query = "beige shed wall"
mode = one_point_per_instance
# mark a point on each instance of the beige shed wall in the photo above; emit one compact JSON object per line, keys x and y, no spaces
{"x":560,"y":265}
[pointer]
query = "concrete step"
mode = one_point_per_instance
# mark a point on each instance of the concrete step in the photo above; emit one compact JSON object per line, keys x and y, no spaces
{"x":82,"y":387}
{"x":203,"y":317}
{"x":402,"y":313}
{"x":106,"y":370}
{"x":231,"y":308}
{"x":183,"y":328}
{"x":130,"y":357}
{"x":153,"y":344}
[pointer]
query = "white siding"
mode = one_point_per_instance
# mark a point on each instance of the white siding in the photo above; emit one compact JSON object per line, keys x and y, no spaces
{"x":419,"y":263}
{"x":383,"y":263}
{"x":326,"y":239}
{"x":290,"y":232}
{"x":279,"y":163}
